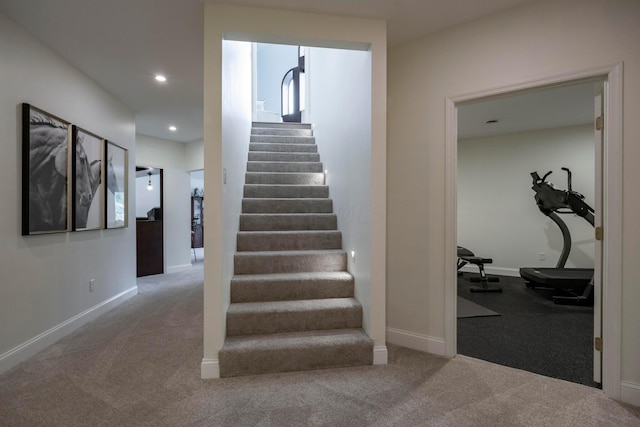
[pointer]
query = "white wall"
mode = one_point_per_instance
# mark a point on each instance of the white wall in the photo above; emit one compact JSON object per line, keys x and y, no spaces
{"x":194,"y":156}
{"x":497,"y":214}
{"x":527,"y":43}
{"x":236,"y":131}
{"x":273,"y":61}
{"x":339,"y":95}
{"x":45,"y":278}
{"x":273,"y":26}
{"x":170,"y":157}
{"x":146,"y":200}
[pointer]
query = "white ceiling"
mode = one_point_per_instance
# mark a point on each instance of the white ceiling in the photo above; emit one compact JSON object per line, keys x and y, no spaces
{"x":540,"y":109}
{"x":121,"y":44}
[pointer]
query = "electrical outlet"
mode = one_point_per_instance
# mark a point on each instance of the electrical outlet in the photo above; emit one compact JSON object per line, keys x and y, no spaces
{"x":224,"y":175}
{"x":92,"y":285}
{"x":542,"y":256}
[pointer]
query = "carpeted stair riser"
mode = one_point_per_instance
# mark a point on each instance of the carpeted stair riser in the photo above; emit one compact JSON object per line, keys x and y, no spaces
{"x":253,"y":241}
{"x":257,"y":191}
{"x":271,"y":317}
{"x":265,"y":156}
{"x":285,"y":132}
{"x":297,"y":351}
{"x":292,"y":305}
{"x":289,"y":262}
{"x":278,"y":205}
{"x":283,"y":140}
{"x":283,"y":222}
{"x":282,"y":148}
{"x":291,"y":286}
{"x":282,"y":167}
{"x":284,"y":178}
{"x":272,"y":125}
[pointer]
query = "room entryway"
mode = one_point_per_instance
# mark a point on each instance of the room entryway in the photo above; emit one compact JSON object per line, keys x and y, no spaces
{"x":514,"y":153}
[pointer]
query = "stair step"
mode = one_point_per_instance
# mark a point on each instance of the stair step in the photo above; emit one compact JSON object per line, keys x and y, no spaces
{"x":287,"y":178}
{"x":253,"y":191}
{"x":280,"y":131}
{"x":274,"y":125}
{"x":293,"y":167}
{"x":282,"y":222}
{"x":283,"y":148}
{"x":262,"y":156}
{"x":253,"y":241}
{"x":279,"y":205}
{"x":273,"y":262}
{"x":283,"y":139}
{"x":271,"y":317}
{"x":291,"y":286}
{"x":297,"y":351}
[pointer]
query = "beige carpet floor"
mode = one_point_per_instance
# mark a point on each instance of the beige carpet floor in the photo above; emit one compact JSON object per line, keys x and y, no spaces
{"x":139,"y":365}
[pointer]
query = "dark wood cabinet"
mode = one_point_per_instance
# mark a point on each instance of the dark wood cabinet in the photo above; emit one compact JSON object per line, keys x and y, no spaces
{"x":197,"y":222}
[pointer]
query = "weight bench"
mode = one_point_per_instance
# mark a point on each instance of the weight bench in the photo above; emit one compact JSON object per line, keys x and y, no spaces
{"x":465,"y":256}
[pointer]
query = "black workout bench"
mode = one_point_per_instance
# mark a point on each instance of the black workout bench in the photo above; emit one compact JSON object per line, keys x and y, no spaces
{"x":465,"y":256}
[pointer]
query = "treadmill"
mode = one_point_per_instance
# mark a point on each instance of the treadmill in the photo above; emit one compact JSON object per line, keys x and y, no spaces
{"x":575,"y":283}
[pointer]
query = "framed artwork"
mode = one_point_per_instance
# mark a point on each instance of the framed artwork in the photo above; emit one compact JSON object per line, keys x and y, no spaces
{"x":116,"y":178}
{"x":46,"y":196}
{"x":88,"y":176}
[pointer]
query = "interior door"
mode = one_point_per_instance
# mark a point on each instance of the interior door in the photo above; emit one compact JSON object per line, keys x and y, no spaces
{"x":597,"y":256}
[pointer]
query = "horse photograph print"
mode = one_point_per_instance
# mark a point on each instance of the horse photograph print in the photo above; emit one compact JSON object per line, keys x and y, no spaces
{"x":87,"y":180}
{"x":116,"y":186}
{"x":45,"y":168}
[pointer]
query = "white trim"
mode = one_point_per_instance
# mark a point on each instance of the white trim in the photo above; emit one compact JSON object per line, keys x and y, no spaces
{"x":630,"y":393}
{"x":612,"y":211}
{"x":29,"y":348}
{"x":380,"y":355}
{"x":416,"y":341}
{"x":209,"y":369}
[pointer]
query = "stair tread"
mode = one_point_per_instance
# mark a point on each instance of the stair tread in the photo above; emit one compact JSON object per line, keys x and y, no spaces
{"x":286,"y":232}
{"x":285,"y":277}
{"x":295,"y":252}
{"x":286,"y":340}
{"x":293,"y":306}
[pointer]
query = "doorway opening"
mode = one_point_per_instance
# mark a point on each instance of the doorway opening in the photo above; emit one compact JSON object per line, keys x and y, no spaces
{"x":149,"y":224}
{"x":607,"y":294}
{"x":542,"y":326}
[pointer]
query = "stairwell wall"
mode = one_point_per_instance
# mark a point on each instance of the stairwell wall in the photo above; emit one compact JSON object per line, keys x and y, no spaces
{"x":339,"y":93}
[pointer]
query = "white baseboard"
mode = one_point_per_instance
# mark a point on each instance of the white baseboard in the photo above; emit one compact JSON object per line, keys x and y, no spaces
{"x":29,"y":348}
{"x":209,"y":369}
{"x":630,"y":393}
{"x":500,"y":271}
{"x":177,"y":268}
{"x":416,"y":341}
{"x":380,"y":355}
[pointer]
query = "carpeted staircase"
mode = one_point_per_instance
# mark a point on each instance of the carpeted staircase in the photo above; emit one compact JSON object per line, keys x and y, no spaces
{"x":292,"y":306}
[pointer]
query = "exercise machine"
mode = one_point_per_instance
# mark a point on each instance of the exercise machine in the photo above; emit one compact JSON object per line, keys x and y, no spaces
{"x":577,"y":283}
{"x":465,"y":256}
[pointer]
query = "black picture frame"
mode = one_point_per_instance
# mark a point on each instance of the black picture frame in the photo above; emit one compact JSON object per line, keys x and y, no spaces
{"x":87,"y":170}
{"x":46,"y":196}
{"x":116,"y":189}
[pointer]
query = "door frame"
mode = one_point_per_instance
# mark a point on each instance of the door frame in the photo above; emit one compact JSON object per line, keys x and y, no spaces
{"x":611,"y":211}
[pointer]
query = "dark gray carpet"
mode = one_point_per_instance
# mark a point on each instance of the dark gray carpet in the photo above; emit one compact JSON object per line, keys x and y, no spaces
{"x":532,"y":333}
{"x":467,"y":308}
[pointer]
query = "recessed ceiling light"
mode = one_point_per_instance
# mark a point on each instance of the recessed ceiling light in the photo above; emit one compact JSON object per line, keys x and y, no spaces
{"x":173,"y":128}
{"x":160,"y":78}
